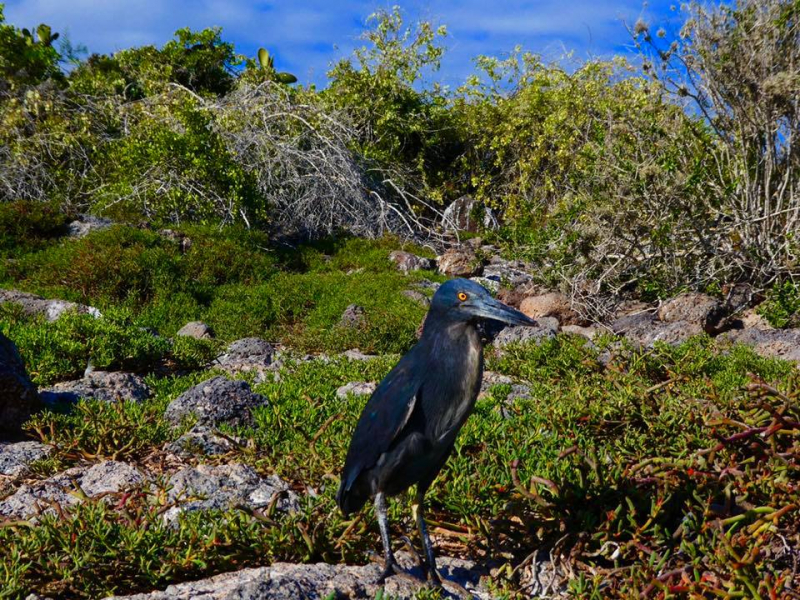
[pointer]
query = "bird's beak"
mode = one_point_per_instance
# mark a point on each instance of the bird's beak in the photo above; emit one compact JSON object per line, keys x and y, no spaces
{"x":494,"y":309}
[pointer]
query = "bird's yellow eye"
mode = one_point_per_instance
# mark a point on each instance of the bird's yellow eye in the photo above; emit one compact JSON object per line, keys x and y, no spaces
{"x":462,"y":296}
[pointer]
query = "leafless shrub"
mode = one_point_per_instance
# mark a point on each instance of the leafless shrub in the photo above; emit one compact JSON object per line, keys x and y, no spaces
{"x":740,"y":67}
{"x":304,"y":168}
{"x":41,"y":152}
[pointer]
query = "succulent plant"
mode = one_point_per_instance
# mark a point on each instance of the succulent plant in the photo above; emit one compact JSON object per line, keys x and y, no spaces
{"x":267,"y":63}
{"x":45,"y":35}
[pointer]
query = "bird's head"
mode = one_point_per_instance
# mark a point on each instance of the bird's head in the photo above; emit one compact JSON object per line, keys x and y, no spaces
{"x":465,"y":300}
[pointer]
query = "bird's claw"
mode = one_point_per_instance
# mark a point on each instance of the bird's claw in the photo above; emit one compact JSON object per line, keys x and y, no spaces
{"x":433,"y":577}
{"x":390,"y":569}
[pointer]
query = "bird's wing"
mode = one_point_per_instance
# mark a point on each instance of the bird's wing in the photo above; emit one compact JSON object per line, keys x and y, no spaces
{"x":383,"y":418}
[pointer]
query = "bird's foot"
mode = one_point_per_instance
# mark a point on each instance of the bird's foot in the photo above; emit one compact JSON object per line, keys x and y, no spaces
{"x":390,"y":568}
{"x":433,"y":577}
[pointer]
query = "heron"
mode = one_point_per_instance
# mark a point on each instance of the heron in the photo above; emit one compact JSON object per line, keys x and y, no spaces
{"x":410,"y":423}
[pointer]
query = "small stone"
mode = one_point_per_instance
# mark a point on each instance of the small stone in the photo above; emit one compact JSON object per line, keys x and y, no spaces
{"x":750,"y":319}
{"x":15,"y":459}
{"x":588,"y":332}
{"x":644,"y":329}
{"x":214,"y":401}
{"x":101,"y":478}
{"x":109,"y":477}
{"x":85,"y":224}
{"x":197,"y":330}
{"x":287,"y":581}
{"x":546,"y":328}
{"x":416,"y":296}
{"x":697,"y":309}
{"x":427,"y":284}
{"x":201,"y":440}
{"x":248,"y":355}
{"x":353,"y":316}
{"x":510,"y":273}
{"x":460,"y":262}
{"x":493,"y":285}
{"x":551,"y":304}
{"x":490,"y":378}
{"x":355,"y":354}
{"x":108,"y":386}
{"x":223,"y":487}
{"x":356,"y":388}
{"x":51,"y":309}
{"x":776,"y":343}
{"x":407,"y":262}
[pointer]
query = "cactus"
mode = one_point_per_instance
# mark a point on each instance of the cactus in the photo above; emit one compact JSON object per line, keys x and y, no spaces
{"x":45,"y":35}
{"x":267,"y":63}
{"x":265,"y":59}
{"x":285,"y":78}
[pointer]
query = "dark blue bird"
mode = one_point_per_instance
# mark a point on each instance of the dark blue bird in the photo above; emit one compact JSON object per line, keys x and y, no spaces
{"x":409,"y":425}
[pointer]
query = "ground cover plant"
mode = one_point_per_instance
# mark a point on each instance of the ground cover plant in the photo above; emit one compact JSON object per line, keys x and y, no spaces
{"x":670,"y":471}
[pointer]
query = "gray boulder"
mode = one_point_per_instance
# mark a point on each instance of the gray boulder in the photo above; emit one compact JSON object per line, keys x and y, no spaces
{"x":693,"y":308}
{"x":214,"y":401}
{"x":644,"y":329}
{"x":222,"y":487}
{"x":545,"y":329}
{"x":406,"y":262}
{"x":18,"y":397}
{"x":51,"y":309}
{"x":284,"y":581}
{"x":108,"y":386}
{"x":197,"y":330}
{"x":201,"y":440}
{"x":15,"y":459}
{"x":248,"y":355}
{"x":105,"y":477}
{"x":467,"y":214}
{"x":85,"y":224}
{"x":775,"y":343}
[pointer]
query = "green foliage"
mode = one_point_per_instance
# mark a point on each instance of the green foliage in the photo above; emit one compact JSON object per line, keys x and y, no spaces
{"x":94,"y":550}
{"x":26,"y":226}
{"x":782,"y":306}
{"x":408,"y":133}
{"x":98,"y":430}
{"x":26,"y":59}
{"x":227,"y":278}
{"x":63,"y":349}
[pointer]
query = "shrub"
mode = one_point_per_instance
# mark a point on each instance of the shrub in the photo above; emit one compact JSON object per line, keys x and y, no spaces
{"x":782,"y":306}
{"x":26,"y":226}
{"x":63,"y":349}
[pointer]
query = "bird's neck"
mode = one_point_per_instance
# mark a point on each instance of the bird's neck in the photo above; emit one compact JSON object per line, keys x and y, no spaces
{"x":445,"y":334}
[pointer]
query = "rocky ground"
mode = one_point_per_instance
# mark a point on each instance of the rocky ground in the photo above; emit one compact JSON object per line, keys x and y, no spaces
{"x":194,"y":477}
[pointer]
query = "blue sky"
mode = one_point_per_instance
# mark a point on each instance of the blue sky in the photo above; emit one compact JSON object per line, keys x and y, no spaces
{"x":306,"y":36}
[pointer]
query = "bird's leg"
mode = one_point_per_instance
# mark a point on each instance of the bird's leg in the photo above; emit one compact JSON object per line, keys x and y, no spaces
{"x":383,"y":523}
{"x":433,"y":575}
